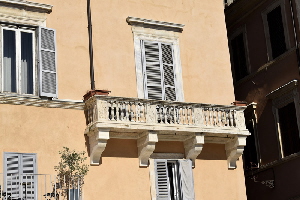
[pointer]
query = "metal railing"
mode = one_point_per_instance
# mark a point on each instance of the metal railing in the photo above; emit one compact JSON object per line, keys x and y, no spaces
{"x":40,"y":187}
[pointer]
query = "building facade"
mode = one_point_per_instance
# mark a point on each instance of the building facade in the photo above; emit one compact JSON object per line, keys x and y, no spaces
{"x":264,"y":47}
{"x":166,"y":129}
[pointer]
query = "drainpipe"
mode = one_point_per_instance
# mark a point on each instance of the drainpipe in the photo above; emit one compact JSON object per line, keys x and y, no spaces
{"x":295,"y":35}
{"x":90,"y":44}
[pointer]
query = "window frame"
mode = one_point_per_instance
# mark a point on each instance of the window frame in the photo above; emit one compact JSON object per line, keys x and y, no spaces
{"x":167,"y":157}
{"x":18,"y":31}
{"x":154,"y":34}
{"x":281,"y":97}
{"x":241,"y":30}
{"x":280,"y":3}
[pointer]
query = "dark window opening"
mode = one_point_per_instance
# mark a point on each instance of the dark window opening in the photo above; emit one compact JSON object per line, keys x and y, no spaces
{"x":239,"y":57}
{"x":289,"y":129}
{"x":173,"y":173}
{"x":276,"y":32}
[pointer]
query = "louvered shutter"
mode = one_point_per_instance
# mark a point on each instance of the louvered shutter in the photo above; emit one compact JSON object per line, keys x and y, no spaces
{"x":152,"y":70}
{"x":158,"y":68}
{"x":16,"y":167}
{"x":11,"y":174}
{"x":162,"y":180}
{"x":186,"y":180}
{"x":168,"y":72}
{"x":28,"y":179}
{"x":47,"y":62}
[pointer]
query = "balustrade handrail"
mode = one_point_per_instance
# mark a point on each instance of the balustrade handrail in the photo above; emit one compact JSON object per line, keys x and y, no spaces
{"x":166,"y":102}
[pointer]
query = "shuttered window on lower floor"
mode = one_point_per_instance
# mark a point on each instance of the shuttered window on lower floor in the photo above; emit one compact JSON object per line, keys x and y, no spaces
{"x":19,"y":179}
{"x":174,"y":179}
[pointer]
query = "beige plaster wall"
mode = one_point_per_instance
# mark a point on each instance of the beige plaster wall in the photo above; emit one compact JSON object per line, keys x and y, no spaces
{"x":203,"y":43}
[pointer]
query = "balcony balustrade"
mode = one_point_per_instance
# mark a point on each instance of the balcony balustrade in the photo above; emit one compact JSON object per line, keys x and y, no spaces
{"x":150,"y":121}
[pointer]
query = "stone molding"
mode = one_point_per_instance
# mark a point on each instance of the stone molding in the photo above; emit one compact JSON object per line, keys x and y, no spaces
{"x":38,"y":102}
{"x":234,"y":149}
{"x":24,"y":12}
{"x":283,"y":89}
{"x":146,"y":146}
{"x":97,"y":140}
{"x":194,"y":146}
{"x":158,"y":24}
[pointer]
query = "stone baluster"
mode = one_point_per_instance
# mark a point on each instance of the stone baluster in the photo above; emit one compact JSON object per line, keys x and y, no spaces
{"x":214,"y":117}
{"x":219,"y":117}
{"x":117,"y":117}
{"x":131,"y":112}
{"x":126,"y":110}
{"x":137,"y":112}
{"x":230,"y":118}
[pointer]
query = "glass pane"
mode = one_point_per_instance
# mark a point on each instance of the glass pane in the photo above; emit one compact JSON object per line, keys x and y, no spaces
{"x":26,"y":63}
{"x":9,"y":61}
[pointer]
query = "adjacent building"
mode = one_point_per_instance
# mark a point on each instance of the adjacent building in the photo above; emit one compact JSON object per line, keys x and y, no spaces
{"x":263,"y":39}
{"x":160,"y":124}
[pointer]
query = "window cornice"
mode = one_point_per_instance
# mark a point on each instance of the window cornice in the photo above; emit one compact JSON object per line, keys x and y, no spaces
{"x":134,"y":21}
{"x":28,"y":5}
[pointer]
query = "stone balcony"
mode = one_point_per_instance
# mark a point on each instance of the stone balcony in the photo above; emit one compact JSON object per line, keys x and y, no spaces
{"x":150,"y":121}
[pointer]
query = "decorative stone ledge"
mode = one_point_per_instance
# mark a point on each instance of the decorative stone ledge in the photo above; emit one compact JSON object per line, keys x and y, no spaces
{"x":159,"y":24}
{"x":38,"y":102}
{"x":23,"y":4}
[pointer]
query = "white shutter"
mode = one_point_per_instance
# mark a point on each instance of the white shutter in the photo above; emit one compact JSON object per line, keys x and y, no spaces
{"x":11,"y":174}
{"x":152,"y":70}
{"x":187,"y":180}
{"x":16,"y":167}
{"x":168,"y":72}
{"x":162,"y":180}
{"x":158,"y":68}
{"x":47,"y":62}
{"x":28,"y":179}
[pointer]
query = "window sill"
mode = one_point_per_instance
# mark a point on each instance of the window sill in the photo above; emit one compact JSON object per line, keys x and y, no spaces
{"x":273,"y":164}
{"x":30,"y":100}
{"x":265,"y":67}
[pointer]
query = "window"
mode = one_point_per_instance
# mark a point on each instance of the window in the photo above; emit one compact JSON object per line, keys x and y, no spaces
{"x":276,"y":30}
{"x":19,"y":68}
{"x":239,"y":55}
{"x":174,"y":179}
{"x":286,"y":109}
{"x":289,"y":132}
{"x":19,"y":181}
{"x":158,"y":69}
{"x":157,"y":59}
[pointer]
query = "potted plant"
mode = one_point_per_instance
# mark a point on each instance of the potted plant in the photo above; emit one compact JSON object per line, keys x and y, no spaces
{"x":70,"y":173}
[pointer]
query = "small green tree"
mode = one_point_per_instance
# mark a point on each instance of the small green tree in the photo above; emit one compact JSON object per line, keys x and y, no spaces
{"x":71,"y":169}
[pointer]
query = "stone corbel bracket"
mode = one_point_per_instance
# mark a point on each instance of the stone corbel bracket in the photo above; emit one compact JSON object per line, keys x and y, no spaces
{"x":194,"y":146}
{"x":234,"y":149}
{"x":97,"y":140}
{"x":146,"y":146}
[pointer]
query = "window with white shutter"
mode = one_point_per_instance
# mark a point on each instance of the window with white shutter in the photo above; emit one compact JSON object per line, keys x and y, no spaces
{"x":158,"y":70}
{"x":19,"y":179}
{"x":20,"y":73}
{"x":157,"y":59}
{"x":174,"y":179}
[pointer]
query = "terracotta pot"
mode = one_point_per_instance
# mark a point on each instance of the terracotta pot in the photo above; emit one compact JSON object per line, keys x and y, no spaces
{"x":95,"y":92}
